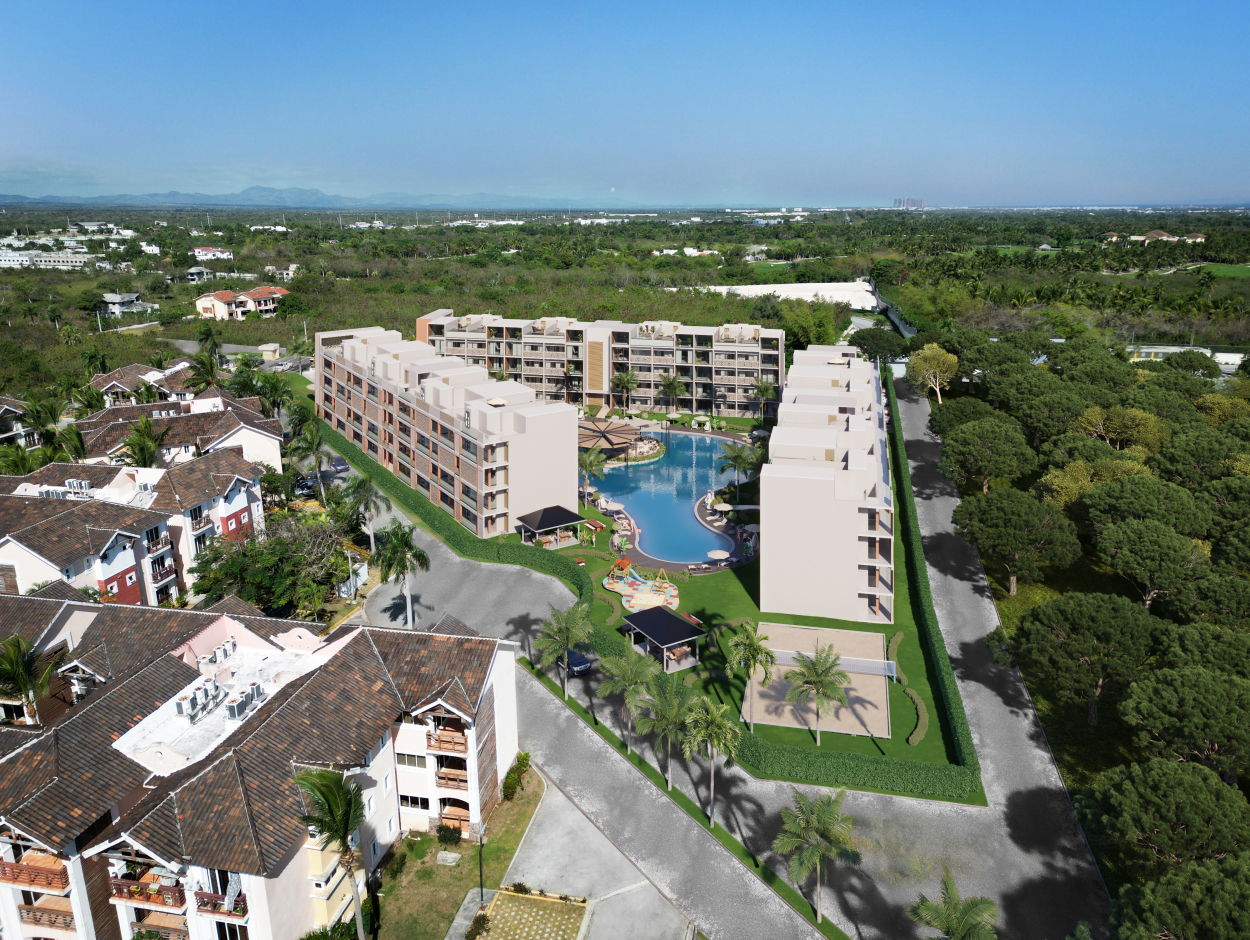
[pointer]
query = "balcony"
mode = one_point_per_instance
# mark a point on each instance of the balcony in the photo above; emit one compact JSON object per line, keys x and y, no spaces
{"x":201,"y":523}
{"x":148,"y":891}
{"x":207,"y":903}
{"x":160,"y":575}
{"x":165,"y":926}
{"x":452,"y":779}
{"x":447,"y":741}
{"x":40,"y":871}
{"x":50,"y":912}
{"x":157,"y":545}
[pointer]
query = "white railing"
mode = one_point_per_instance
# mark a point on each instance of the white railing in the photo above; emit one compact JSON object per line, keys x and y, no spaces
{"x":867,"y":667}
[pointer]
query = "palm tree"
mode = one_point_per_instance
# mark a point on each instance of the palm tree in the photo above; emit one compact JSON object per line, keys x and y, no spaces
{"x":96,"y":359}
{"x":672,"y":388}
{"x":563,"y":630}
{"x":310,"y":597}
{"x":955,"y":917}
{"x":819,"y":679}
{"x":399,"y":558}
{"x":143,"y":444}
{"x":748,"y":651}
{"x":590,"y":464}
{"x":202,"y":373}
{"x":740,"y":458}
{"x":42,"y":417}
{"x":26,"y":674}
{"x":632,"y":675}
{"x":309,"y":446}
{"x":88,"y":400}
{"x":367,"y":500}
{"x":710,"y":725}
{"x":244,"y":381}
{"x":70,"y":440}
{"x":669,"y":703}
{"x":813,"y":831}
{"x":147,"y":394}
{"x":763,"y":390}
{"x":301,"y":413}
{"x":70,"y":336}
{"x":274,"y":392}
{"x":16,"y":460}
{"x":338,"y":809}
{"x":158,"y":360}
{"x":209,"y":340}
{"x":624,"y":383}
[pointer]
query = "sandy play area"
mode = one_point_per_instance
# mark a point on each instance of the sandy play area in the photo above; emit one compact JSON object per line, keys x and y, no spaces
{"x":868,"y":699}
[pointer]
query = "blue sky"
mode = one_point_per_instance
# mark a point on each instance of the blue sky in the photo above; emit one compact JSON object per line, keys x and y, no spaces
{"x":829,"y":103}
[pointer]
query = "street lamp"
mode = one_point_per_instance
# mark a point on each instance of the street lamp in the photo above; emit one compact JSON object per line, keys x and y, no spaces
{"x":481,"y":880}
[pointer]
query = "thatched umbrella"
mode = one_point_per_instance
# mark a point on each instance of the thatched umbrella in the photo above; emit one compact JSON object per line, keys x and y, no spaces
{"x":610,"y":435}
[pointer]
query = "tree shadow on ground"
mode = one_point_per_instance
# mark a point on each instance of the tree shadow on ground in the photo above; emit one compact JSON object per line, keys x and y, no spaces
{"x":524,"y":629}
{"x":1047,"y":907}
{"x":975,"y":663}
{"x":870,"y":912}
{"x":950,"y":555}
{"x":1031,"y":816}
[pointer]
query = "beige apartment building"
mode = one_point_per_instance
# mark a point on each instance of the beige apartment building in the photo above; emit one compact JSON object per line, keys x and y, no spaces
{"x":568,"y":360}
{"x":826,"y":503}
{"x":488,"y":452}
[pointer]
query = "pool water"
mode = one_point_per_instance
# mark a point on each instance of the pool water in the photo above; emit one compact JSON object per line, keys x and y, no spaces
{"x":660,"y":496}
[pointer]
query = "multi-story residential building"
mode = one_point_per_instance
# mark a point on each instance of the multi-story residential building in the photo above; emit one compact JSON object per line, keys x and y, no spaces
{"x":216,"y":495}
{"x":122,"y":385}
{"x":227,"y":305}
{"x":123,"y":552}
{"x":574,"y":360}
{"x":159,"y":793}
{"x":826,"y":500}
{"x":12,"y":428}
{"x":486,"y":451}
{"x":117,"y":304}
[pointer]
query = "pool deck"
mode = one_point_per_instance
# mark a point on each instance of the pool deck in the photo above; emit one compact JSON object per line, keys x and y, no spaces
{"x":643,"y":560}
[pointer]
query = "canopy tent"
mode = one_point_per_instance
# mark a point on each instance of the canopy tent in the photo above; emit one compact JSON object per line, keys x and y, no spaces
{"x":545,"y":520}
{"x":666,"y":636}
{"x":610,"y":435}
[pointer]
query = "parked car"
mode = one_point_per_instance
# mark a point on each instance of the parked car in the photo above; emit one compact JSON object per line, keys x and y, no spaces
{"x":339,"y":465}
{"x":578,"y":664}
{"x":305,"y":486}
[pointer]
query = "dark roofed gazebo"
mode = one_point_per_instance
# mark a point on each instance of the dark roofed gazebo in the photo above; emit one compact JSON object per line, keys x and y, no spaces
{"x":666,"y":636}
{"x":547,"y":520}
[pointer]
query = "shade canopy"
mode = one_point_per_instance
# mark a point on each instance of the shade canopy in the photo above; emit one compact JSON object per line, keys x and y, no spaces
{"x":723,"y":507}
{"x":615,"y":507}
{"x":674,"y":415}
{"x":610,"y":435}
{"x":753,"y":527}
{"x":553,"y":517}
{"x":718,"y":554}
{"x":663,"y":627}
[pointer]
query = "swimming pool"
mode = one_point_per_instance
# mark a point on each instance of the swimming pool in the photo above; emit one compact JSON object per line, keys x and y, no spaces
{"x":660,"y":496}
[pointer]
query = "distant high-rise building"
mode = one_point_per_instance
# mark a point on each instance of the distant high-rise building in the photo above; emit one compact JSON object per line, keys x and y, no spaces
{"x":909,"y":202}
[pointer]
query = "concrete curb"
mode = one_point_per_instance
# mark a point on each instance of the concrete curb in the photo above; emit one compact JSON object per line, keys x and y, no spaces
{"x":464,"y":917}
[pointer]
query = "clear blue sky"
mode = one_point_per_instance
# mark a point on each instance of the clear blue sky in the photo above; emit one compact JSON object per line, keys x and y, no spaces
{"x":1100,"y":103}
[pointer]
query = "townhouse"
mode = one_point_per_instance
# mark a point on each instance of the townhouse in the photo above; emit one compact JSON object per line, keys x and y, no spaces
{"x":826,"y":500}
{"x":217,"y":495}
{"x":488,"y":452}
{"x":12,"y":428}
{"x":123,"y":552}
{"x":122,"y":385}
{"x":227,"y":305}
{"x":117,"y":304}
{"x":575,"y":361}
{"x":161,"y":796}
{"x":209,"y":253}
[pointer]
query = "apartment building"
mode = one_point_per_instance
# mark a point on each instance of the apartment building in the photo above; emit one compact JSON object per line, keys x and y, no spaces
{"x":826,"y":500}
{"x":574,"y":361}
{"x":486,"y":451}
{"x":161,"y":795}
{"x":216,"y":495}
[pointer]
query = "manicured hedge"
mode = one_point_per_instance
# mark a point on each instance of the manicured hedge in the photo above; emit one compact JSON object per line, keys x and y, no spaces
{"x":922,"y":718}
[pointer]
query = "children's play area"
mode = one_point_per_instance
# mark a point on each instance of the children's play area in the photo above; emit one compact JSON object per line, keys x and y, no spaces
{"x":637,"y":592}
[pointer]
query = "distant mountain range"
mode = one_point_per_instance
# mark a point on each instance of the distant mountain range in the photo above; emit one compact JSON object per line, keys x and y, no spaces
{"x":265,"y":197}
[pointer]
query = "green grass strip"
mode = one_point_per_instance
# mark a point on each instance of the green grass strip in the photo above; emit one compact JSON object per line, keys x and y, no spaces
{"x":783,"y":888}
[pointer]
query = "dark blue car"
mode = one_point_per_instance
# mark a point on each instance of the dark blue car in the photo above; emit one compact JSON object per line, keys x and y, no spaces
{"x":578,"y":664}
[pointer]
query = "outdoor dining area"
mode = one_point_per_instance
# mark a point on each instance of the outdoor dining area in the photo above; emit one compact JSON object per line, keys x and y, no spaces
{"x":553,"y":527}
{"x":671,"y":638}
{"x":617,"y":440}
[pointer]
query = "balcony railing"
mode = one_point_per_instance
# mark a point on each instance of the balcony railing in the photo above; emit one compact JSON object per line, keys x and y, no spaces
{"x":163,"y":574}
{"x":156,"y":545}
{"x":201,"y":523}
{"x":35,"y":876}
{"x":447,"y":741}
{"x":207,"y":903}
{"x":165,"y":933}
{"x":452,"y":779}
{"x":46,"y":917}
{"x":143,"y":892}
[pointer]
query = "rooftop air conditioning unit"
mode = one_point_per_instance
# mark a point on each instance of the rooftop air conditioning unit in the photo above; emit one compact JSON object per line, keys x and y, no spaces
{"x":187,"y":705}
{"x":255,"y":691}
{"x":230,"y":646}
{"x":220,"y":653}
{"x":201,"y":694}
{"x":236,"y":708}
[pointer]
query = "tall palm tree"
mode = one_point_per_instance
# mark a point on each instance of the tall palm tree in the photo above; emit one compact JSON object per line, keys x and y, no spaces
{"x":563,"y":630}
{"x":87,"y":401}
{"x":669,"y":704}
{"x":624,"y":383}
{"x":310,"y":597}
{"x":740,"y":458}
{"x":71,"y":442}
{"x":711,"y":726}
{"x":16,"y":460}
{"x":96,"y":361}
{"x":202,"y":373}
{"x":338,"y":809}
{"x":26,"y":674}
{"x":274,"y":392}
{"x":209,"y":340}
{"x":399,"y":558}
{"x":957,"y":918}
{"x":42,"y":417}
{"x":368,"y":501}
{"x":818,"y":679}
{"x":309,"y":445}
{"x":590,"y":464}
{"x":147,"y":394}
{"x":672,"y":388}
{"x":631,"y":674}
{"x":763,"y":390}
{"x":747,"y":650}
{"x":815,"y":831}
{"x":158,"y":360}
{"x":143,"y":444}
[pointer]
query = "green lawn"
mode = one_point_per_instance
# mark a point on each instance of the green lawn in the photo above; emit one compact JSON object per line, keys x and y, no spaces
{"x":1228,"y":270}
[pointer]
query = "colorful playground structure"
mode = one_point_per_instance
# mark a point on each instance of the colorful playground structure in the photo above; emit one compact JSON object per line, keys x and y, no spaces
{"x":637,"y":592}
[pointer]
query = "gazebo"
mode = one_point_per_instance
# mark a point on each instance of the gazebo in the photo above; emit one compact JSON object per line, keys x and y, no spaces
{"x":671,"y":638}
{"x":553,"y":518}
{"x":612,"y":436}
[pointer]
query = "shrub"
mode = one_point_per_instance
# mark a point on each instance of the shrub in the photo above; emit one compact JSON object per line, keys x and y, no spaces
{"x":449,"y":835}
{"x":922,"y":718}
{"x":398,"y":861}
{"x":519,"y":887}
{"x":892,"y":654}
{"x":480,"y":925}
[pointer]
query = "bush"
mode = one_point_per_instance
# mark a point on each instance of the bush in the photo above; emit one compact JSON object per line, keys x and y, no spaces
{"x":480,"y":925}
{"x":892,"y":655}
{"x":449,"y":835}
{"x":513,"y":779}
{"x":922,"y":718}
{"x":396,"y":866}
{"x":519,"y":887}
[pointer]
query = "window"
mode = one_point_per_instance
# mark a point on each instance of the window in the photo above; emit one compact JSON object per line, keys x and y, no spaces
{"x":386,"y":784}
{"x":151,"y":535}
{"x":410,"y":760}
{"x":414,"y":802}
{"x":423,"y":483}
{"x":232,"y":524}
{"x":468,"y":448}
{"x":373,"y":849}
{"x":390,"y":826}
{"x":342,"y":425}
{"x":130,"y":578}
{"x":243,"y":517}
{"x":369,"y":808}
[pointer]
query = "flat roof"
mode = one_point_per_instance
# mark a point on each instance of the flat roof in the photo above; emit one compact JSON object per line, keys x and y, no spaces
{"x":663,"y":627}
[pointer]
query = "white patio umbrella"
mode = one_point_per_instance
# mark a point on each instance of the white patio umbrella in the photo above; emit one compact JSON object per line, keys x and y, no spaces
{"x":717,"y":554}
{"x":723,"y":507}
{"x":674,"y":416}
{"x":614,"y":507}
{"x":753,"y":527}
